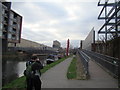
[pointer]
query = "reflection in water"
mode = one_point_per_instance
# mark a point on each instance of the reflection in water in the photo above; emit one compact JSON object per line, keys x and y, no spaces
{"x":21,"y":67}
{"x":12,"y":70}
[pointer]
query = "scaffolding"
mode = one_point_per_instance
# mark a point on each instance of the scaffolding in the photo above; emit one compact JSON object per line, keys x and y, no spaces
{"x":110,"y":13}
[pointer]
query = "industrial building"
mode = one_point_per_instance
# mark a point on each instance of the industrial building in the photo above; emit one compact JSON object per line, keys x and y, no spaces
{"x":30,"y":44}
{"x":27,"y":45}
{"x":11,"y":23}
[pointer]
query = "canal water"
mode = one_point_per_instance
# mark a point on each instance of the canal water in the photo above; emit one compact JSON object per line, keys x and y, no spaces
{"x":12,"y":68}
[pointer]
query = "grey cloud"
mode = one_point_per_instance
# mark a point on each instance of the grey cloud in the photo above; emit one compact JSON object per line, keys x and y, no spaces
{"x":53,"y":9}
{"x":65,"y":28}
{"x":50,"y":10}
{"x":38,"y":36}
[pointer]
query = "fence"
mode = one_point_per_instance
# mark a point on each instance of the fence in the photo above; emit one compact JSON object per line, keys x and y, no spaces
{"x":85,"y":61}
{"x":111,"y":64}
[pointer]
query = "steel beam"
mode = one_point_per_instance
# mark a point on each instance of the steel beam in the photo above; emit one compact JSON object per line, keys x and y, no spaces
{"x":109,"y":19}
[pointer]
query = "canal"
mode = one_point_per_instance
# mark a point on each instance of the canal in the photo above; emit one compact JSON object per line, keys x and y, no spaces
{"x":12,"y":68}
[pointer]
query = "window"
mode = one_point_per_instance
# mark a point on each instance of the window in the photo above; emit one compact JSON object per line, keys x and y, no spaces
{"x":17,"y":37}
{"x":11,"y":22}
{"x":3,"y":11}
{"x":11,"y":15}
{"x":118,"y":14}
{"x":9,"y":36}
{"x":0,"y":33}
{"x":0,"y":30}
{"x":118,"y":28}
{"x":1,"y":26}
{"x":18,"y":23}
{"x":10,"y":29}
{"x":13,"y":37}
{"x":2,"y":19}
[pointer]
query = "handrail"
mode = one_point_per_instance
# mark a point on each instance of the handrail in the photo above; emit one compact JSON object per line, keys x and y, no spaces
{"x":111,"y":64}
{"x":85,"y":60}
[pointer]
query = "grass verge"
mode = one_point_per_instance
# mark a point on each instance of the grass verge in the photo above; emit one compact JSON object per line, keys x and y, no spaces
{"x":80,"y":69}
{"x":21,"y":83}
{"x":72,"y":70}
{"x":76,"y":70}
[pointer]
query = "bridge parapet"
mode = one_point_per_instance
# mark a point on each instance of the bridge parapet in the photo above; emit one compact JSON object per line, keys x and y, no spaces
{"x":32,"y":50}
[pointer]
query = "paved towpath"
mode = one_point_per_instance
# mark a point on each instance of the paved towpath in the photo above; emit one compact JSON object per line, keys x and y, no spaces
{"x":56,"y":77}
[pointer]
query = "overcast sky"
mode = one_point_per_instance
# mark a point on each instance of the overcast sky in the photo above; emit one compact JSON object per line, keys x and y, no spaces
{"x":49,"y":20}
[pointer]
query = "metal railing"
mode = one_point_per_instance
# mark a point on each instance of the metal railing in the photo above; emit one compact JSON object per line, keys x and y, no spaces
{"x":111,"y":64}
{"x":85,"y":61}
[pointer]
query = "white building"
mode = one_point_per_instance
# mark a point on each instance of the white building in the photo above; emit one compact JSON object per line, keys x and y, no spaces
{"x":86,"y":44}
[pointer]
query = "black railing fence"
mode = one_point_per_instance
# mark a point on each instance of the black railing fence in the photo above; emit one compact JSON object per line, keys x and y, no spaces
{"x":111,"y":64}
{"x":85,"y":61}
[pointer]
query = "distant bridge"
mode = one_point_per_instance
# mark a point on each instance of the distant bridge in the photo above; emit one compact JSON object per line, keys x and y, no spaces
{"x":32,"y":50}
